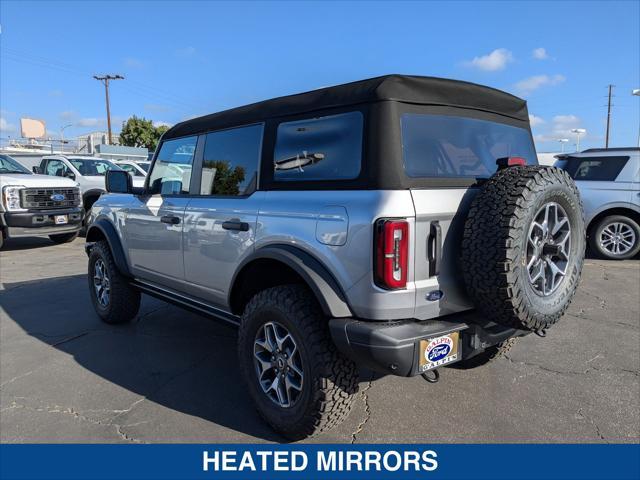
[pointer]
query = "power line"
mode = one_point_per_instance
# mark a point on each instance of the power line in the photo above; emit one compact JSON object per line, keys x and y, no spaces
{"x":139,"y":88}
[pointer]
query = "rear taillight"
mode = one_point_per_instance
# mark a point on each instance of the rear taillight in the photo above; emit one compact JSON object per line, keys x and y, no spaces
{"x":391,"y":253}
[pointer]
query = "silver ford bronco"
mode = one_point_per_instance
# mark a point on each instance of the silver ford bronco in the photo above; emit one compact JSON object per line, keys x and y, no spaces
{"x":399,"y":223}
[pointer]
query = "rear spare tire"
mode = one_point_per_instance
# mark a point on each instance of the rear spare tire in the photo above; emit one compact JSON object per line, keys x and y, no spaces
{"x":523,"y":246}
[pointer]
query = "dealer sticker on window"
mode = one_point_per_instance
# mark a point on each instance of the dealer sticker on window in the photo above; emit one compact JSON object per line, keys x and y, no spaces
{"x":435,"y":352}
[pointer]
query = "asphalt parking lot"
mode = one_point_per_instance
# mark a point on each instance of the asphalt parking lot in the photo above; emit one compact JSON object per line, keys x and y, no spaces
{"x":171,"y":375}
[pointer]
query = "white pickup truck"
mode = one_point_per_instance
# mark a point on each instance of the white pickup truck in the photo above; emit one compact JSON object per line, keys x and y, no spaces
{"x":36,"y":205}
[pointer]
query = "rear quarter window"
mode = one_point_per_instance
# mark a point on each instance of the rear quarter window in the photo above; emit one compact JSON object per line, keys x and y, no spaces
{"x":604,"y":169}
{"x":322,"y":148}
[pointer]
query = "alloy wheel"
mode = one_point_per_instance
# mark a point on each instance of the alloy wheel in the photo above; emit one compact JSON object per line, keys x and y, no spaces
{"x":278,"y":364}
{"x":617,"y":238}
{"x":548,"y":247}
{"x":101,"y":283}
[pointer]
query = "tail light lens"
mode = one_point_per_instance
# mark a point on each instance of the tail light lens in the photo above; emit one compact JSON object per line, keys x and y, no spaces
{"x":391,"y":253}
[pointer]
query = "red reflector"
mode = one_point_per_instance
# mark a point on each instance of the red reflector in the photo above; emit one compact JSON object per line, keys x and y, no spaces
{"x":505,"y":162}
{"x":392,"y":253}
{"x":516,"y":161}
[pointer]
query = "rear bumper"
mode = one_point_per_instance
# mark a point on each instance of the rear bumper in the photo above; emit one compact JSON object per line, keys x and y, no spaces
{"x":393,"y":347}
{"x":40,"y":222}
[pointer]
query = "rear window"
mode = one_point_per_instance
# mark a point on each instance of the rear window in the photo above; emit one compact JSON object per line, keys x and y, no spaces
{"x":604,"y":169}
{"x":323,"y":148}
{"x":450,"y":147}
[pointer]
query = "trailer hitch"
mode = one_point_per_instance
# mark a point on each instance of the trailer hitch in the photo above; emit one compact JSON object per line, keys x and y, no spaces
{"x":431,"y":376}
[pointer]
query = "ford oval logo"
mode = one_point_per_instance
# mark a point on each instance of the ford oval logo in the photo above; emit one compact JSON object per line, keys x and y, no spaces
{"x":439,"y":352}
{"x":57,"y":197}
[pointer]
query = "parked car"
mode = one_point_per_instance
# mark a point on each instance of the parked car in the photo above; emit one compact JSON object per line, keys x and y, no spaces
{"x":37,"y":205}
{"x":609,"y":183}
{"x":399,"y":223}
{"x":134,"y":169}
{"x":144,"y":165}
{"x":89,"y":172}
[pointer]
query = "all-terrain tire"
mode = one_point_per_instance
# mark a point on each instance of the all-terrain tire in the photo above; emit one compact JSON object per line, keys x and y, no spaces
{"x":63,"y":237}
{"x":630,"y":226}
{"x":492,"y":353}
{"x":495,"y":246}
{"x":124,"y":300}
{"x":330,"y":379}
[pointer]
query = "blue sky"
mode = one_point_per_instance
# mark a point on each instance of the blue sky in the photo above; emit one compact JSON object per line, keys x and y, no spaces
{"x":183,"y":59}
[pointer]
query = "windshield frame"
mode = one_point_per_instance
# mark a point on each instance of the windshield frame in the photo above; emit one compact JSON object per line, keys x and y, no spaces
{"x":21,"y":169}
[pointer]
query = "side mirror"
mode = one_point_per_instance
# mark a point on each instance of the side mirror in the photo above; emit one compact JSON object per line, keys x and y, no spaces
{"x":118,"y":181}
{"x":36,"y":170}
{"x":70,"y":175}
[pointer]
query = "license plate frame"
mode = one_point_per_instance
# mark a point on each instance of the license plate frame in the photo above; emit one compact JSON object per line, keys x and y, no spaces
{"x":438,"y":351}
{"x":61,"y":219}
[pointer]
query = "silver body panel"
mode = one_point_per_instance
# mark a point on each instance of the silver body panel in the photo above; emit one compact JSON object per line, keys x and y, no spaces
{"x":198,"y":258}
{"x":624,"y":192}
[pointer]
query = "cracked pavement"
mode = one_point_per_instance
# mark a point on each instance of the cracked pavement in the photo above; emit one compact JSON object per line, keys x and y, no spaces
{"x":171,"y":375}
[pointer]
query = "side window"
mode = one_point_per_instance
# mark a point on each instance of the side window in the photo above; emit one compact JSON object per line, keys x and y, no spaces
{"x":323,"y":148}
{"x":130,"y":169}
{"x":596,"y":168}
{"x":171,"y":174}
{"x":231,"y":159}
{"x":57,"y":168}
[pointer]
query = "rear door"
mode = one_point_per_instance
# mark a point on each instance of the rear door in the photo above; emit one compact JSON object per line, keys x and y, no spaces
{"x":449,"y":154}
{"x":220,"y":220}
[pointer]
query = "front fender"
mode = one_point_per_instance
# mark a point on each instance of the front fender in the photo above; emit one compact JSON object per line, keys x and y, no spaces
{"x":103,"y":228}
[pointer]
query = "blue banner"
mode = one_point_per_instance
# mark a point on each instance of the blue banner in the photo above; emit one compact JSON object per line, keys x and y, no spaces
{"x":308,"y":462}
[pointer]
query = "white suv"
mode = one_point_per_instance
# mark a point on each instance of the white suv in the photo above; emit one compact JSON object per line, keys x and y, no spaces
{"x":609,"y":183}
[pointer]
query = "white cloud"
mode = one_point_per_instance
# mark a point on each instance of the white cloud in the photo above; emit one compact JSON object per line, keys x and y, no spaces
{"x":90,"y":122}
{"x":535,"y":121}
{"x":134,"y":62}
{"x":160,"y":123}
{"x":156,"y":107}
{"x":561,"y":126}
{"x":186,"y":52}
{"x":496,"y":60}
{"x":67,"y":115}
{"x":540,"y":53}
{"x":56,"y":93}
{"x":529,"y":85}
{"x":6,"y":127}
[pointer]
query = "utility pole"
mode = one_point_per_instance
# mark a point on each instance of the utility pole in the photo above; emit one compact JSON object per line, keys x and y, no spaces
{"x":606,"y":141}
{"x":104,"y":79}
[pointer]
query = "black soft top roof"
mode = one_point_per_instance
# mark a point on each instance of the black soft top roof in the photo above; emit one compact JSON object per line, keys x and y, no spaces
{"x":401,"y":88}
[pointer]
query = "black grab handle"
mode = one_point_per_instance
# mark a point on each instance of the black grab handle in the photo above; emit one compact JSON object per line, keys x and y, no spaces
{"x":170,"y":219}
{"x":235,"y":225}
{"x":434,"y":248}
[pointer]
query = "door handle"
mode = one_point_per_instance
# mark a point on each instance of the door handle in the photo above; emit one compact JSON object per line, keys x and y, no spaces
{"x":170,"y":219}
{"x":434,"y":248}
{"x":235,"y":225}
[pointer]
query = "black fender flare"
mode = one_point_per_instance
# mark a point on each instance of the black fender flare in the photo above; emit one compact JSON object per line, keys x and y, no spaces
{"x":322,"y":283}
{"x":104,"y":228}
{"x":94,"y":192}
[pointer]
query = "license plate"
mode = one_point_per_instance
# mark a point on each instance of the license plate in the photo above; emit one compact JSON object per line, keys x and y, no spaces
{"x":438,"y":351}
{"x":61,"y":219}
